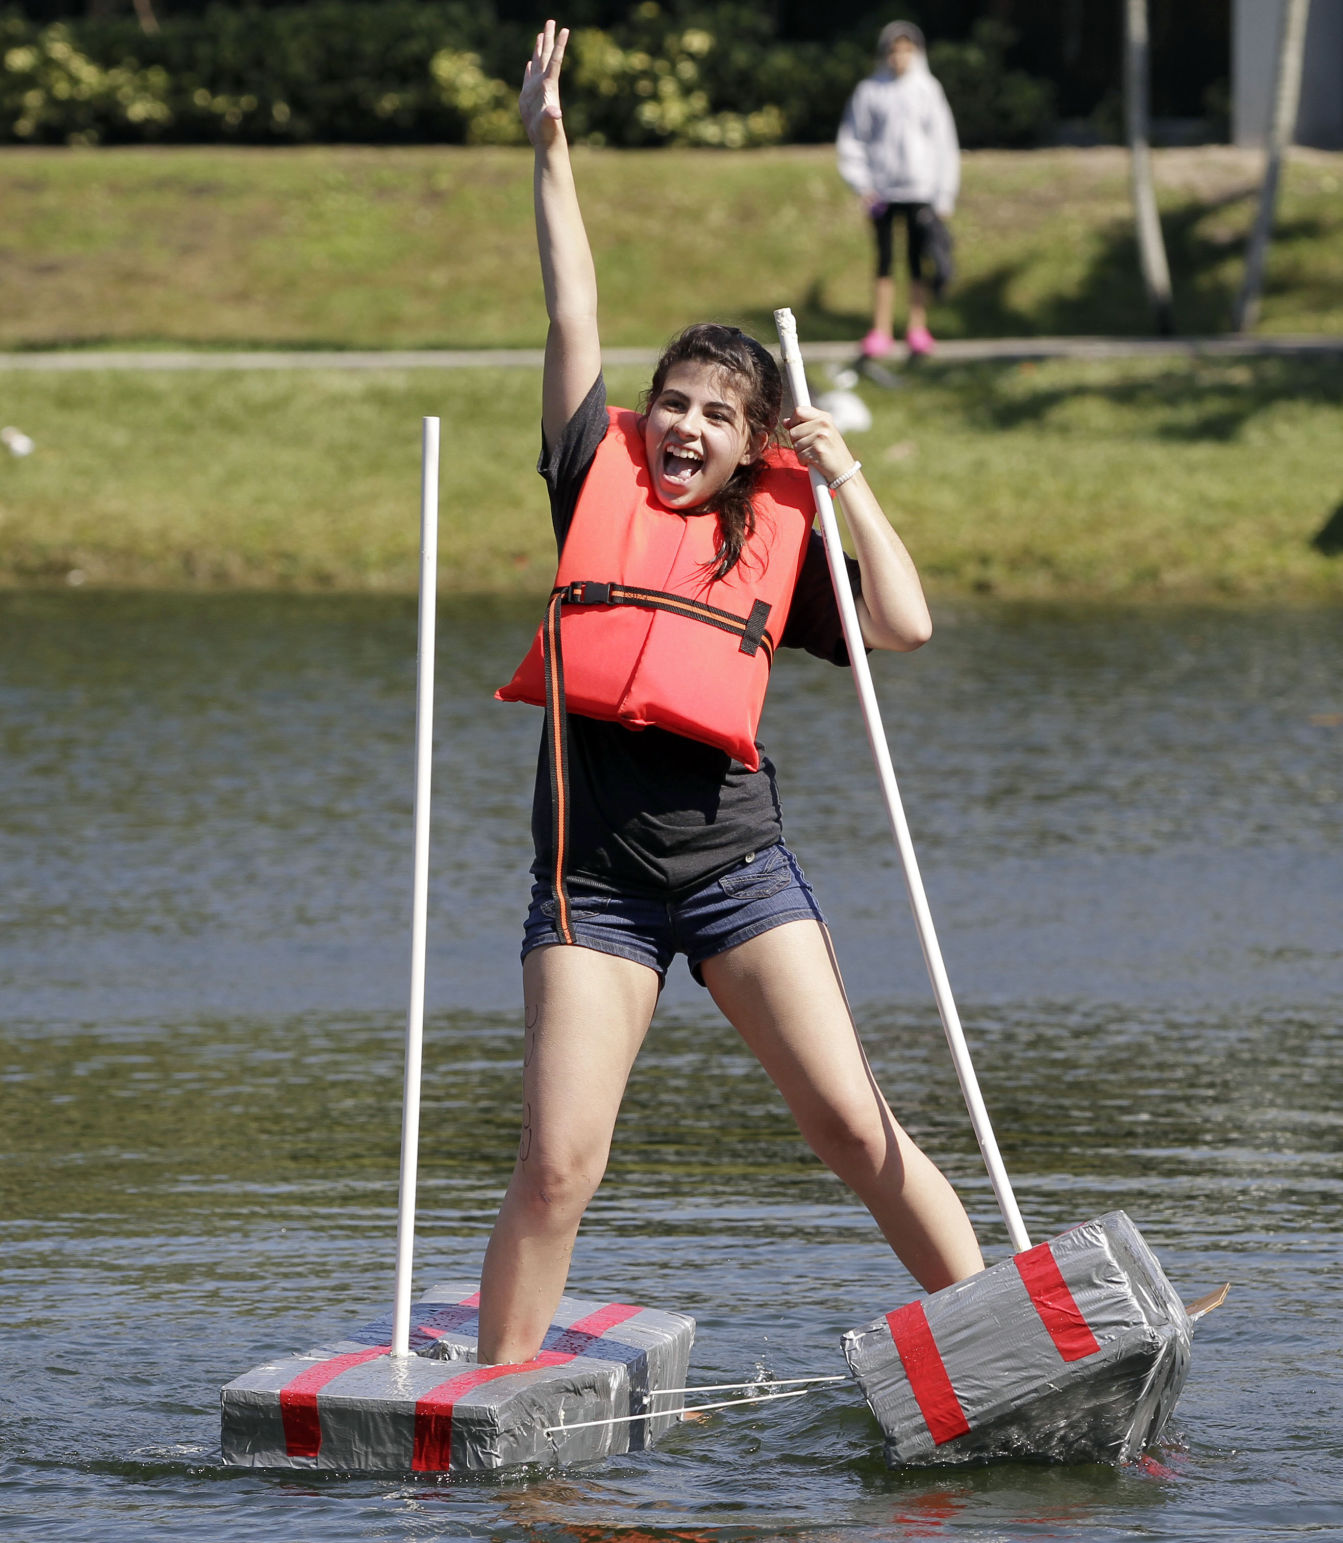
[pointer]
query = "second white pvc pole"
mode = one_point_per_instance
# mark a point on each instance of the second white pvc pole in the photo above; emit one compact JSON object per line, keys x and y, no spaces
{"x":424,"y":753}
{"x":881,"y":753}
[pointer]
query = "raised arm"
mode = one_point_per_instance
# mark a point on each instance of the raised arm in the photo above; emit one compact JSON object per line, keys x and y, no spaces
{"x":891,"y":609}
{"x":573,"y":349}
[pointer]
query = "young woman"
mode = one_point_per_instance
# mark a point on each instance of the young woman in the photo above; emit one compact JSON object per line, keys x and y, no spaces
{"x":897,"y":150}
{"x":685,"y":538}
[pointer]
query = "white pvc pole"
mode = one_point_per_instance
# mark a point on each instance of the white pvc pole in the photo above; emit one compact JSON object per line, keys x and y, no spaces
{"x":876,"y":736}
{"x":424,"y":751}
{"x":1281,"y":133}
{"x":1137,"y":122}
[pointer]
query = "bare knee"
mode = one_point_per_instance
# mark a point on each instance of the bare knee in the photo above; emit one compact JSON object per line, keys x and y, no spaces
{"x":556,"y":1189}
{"x":860,"y":1149}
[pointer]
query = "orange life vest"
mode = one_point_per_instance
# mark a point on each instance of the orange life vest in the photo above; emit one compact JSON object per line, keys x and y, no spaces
{"x":647,"y":639}
{"x":637,"y":633}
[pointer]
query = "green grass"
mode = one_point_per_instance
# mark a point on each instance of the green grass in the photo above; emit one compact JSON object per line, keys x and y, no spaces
{"x":1129,"y":479}
{"x":1132,"y":479}
{"x":351,"y":247}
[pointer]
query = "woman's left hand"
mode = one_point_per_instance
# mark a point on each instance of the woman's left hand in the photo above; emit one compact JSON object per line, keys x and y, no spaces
{"x":818,"y":442}
{"x":539,"y":101}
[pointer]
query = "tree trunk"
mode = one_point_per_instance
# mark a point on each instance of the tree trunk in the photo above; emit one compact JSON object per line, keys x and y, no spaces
{"x":1151,"y":247}
{"x":1282,"y":128}
{"x":144,"y":11}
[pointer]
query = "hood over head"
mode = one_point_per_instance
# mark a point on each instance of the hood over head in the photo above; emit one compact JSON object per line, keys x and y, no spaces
{"x":893,"y":30}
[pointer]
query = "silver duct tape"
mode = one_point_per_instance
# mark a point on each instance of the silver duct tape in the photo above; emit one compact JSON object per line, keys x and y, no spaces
{"x":1075,"y":1351}
{"x":351,"y":1406}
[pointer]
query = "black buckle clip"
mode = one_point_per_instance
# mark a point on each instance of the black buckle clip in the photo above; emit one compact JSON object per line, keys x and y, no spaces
{"x":587,"y":592}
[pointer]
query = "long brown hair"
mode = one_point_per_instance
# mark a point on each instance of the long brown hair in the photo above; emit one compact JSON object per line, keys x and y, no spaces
{"x":752,"y":371}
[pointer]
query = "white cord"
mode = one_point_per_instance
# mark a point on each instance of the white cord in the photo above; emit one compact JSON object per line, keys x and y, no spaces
{"x":755,"y":1382}
{"x":666,"y":1414}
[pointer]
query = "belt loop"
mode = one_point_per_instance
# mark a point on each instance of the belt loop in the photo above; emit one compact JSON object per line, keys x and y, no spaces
{"x":753,"y":634}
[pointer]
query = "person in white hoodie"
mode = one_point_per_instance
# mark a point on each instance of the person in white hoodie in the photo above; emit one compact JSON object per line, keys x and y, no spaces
{"x":898,"y":151}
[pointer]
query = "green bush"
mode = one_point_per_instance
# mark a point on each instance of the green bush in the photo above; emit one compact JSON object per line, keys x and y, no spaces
{"x":658,"y":80}
{"x":992,"y":105}
{"x":339,"y":71}
{"x":447,"y":71}
{"x":50,"y":89}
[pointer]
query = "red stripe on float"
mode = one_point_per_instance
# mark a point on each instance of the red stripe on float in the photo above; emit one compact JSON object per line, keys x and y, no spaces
{"x":298,"y":1399}
{"x":604,"y":1318}
{"x":433,"y":1413}
{"x":1055,"y":1304}
{"x":927,"y":1373}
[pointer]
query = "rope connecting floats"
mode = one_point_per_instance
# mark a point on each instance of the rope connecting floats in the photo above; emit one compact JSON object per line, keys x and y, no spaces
{"x":813,"y":1384}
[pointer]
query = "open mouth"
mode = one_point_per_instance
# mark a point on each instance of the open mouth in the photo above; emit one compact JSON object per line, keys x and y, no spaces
{"x":680,"y":464}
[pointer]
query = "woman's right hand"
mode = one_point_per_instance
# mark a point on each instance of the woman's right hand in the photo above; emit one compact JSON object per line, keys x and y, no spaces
{"x":539,"y":100}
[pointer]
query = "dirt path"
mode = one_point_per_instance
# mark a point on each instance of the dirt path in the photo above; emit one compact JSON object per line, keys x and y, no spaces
{"x":954,"y":352}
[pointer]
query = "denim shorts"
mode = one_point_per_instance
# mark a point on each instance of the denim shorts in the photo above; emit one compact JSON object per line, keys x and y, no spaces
{"x":765,"y":889}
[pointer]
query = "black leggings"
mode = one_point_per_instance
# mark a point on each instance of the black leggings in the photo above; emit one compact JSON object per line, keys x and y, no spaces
{"x":916,"y":237}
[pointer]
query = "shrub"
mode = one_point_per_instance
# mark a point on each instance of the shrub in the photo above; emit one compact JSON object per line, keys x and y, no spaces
{"x":337,"y":71}
{"x":49,"y":89}
{"x":992,"y":104}
{"x":652,"y":82}
{"x":487,"y":107}
{"x":447,"y":71}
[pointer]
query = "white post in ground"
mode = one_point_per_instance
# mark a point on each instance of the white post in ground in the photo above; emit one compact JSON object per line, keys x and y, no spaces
{"x":1281,"y":133}
{"x":1137,"y":119}
{"x":424,"y":751}
{"x":876,"y":736}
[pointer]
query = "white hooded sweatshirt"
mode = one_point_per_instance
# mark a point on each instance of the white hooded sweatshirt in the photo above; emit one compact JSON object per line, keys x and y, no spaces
{"x":897,"y":142}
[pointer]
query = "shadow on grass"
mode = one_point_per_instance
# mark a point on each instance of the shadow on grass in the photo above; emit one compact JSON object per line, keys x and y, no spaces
{"x":1203,"y":250}
{"x":1110,"y":300}
{"x":815,"y":319}
{"x":1328,"y":540}
{"x":1190,"y":401}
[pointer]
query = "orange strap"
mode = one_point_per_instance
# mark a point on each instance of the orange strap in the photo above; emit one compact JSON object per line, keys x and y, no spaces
{"x":750,"y":629}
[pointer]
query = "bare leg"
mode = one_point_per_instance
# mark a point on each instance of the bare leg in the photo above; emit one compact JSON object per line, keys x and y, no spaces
{"x":883,"y":306}
{"x":587,"y":1014}
{"x":783,"y":994}
{"x":918,"y":304}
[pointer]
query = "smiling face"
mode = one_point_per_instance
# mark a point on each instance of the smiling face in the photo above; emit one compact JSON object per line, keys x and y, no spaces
{"x":696,"y":434}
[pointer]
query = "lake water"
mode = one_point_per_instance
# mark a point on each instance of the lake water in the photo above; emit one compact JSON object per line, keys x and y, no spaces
{"x":1129,"y":825}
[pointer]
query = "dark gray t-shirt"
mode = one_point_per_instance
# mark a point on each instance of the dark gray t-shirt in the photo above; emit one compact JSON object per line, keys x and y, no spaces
{"x":651,"y":812}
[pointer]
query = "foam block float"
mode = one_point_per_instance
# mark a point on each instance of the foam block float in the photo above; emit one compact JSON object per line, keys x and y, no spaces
{"x":1074,"y":1351}
{"x":352,"y":1406}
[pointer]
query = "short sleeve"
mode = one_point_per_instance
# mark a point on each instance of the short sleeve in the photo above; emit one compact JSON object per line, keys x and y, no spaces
{"x":565,"y":465}
{"x":813,"y":618}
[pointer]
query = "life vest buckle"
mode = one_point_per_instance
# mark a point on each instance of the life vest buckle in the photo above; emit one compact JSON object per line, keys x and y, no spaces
{"x":586,"y":592}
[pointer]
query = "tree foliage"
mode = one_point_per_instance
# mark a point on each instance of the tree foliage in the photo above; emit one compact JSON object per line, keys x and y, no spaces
{"x":446,"y":71}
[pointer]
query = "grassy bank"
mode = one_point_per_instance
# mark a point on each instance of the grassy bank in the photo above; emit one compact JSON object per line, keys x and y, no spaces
{"x":430,"y":247}
{"x":1129,"y":480}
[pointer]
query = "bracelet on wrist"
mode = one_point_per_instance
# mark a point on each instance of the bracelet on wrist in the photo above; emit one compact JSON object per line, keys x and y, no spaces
{"x":844,"y":476}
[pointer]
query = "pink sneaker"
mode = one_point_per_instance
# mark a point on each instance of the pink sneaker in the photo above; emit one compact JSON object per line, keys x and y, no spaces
{"x":876,"y":345}
{"x":920,"y":341}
